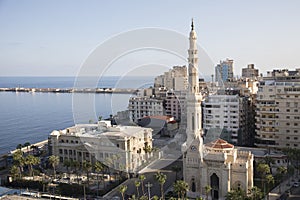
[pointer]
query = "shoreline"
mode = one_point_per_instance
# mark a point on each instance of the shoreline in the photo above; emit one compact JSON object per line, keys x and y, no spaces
{"x":72,"y":90}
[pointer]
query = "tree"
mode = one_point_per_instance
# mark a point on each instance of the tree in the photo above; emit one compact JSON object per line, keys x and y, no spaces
{"x":100,"y":118}
{"x":237,"y":194}
{"x":181,"y":187}
{"x":54,"y":161}
{"x":255,"y":193}
{"x":14,"y":172}
{"x":269,"y":180}
{"x":19,"y":161}
{"x":98,"y":168}
{"x":269,"y":161}
{"x":67,"y":163}
{"x":176,"y":169}
{"x":87,"y":167}
{"x":281,"y":171}
{"x":19,"y":146}
{"x":263,"y":169}
{"x":75,"y":165}
{"x":137,"y":185}
{"x":30,"y":161}
{"x":161,"y":179}
{"x":142,"y":178}
{"x":122,"y":190}
{"x":207,"y":190}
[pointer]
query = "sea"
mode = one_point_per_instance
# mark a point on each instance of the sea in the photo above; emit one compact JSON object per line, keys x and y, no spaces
{"x":32,"y":116}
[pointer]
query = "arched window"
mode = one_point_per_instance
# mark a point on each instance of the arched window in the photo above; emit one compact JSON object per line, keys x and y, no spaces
{"x":193,"y":185}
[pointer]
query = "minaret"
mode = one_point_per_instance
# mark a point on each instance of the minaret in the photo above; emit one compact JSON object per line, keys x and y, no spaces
{"x":194,"y":98}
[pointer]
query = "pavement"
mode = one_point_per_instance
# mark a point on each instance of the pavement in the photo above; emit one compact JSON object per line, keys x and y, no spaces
{"x":281,"y":191}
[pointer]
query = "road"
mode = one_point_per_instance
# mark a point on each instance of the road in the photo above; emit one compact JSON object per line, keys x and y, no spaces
{"x":155,"y":189}
{"x":294,"y":193}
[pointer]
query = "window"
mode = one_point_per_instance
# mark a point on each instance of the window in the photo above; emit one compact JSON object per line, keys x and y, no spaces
{"x":295,"y":124}
{"x":295,"y":145}
{"x":287,"y":138}
{"x":295,"y":138}
{"x":287,"y":110}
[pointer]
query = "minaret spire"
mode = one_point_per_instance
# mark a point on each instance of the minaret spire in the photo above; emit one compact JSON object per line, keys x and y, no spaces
{"x":192,"y":24}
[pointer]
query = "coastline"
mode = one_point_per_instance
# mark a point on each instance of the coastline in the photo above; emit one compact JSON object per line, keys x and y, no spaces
{"x":72,"y":90}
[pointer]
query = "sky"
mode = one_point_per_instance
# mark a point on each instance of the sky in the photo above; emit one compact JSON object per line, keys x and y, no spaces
{"x":55,"y":38}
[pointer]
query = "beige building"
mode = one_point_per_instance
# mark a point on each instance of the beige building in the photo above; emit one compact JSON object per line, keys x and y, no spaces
{"x":119,"y":147}
{"x":278,"y":110}
{"x":250,"y":72}
{"x":175,"y":79}
{"x":217,"y":164}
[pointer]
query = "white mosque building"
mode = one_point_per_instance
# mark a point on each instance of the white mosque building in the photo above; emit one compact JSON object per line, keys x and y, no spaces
{"x":217,"y":164}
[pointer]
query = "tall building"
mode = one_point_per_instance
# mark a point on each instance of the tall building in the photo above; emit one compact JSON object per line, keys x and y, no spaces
{"x":278,"y":110}
{"x":217,"y":164}
{"x":224,"y":71}
{"x":119,"y":147}
{"x":250,"y":72}
{"x":225,"y":116}
{"x":174,"y":79}
{"x":144,"y":106}
{"x":175,"y":104}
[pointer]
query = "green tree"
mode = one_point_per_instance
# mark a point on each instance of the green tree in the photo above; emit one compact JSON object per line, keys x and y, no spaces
{"x":67,"y":163}
{"x":281,"y":171}
{"x":161,"y":179}
{"x":269,"y":161}
{"x":142,"y":178}
{"x":19,"y":161}
{"x":76,"y":165}
{"x":237,"y":194}
{"x":87,"y":167}
{"x":122,"y":189}
{"x":19,"y":146}
{"x":181,"y":187}
{"x":270,"y":180}
{"x":263,"y":169}
{"x":99,"y":167}
{"x":54,"y":161}
{"x":14,"y":172}
{"x":137,"y":185}
{"x":30,"y":161}
{"x":207,"y":190}
{"x":255,"y":193}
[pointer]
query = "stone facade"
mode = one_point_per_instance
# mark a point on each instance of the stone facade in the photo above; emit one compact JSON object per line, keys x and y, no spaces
{"x":119,"y":147}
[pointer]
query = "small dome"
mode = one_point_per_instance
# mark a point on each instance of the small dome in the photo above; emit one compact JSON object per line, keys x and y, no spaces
{"x":220,"y":144}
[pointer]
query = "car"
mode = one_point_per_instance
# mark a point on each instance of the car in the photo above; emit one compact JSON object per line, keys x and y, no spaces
{"x":296,"y":184}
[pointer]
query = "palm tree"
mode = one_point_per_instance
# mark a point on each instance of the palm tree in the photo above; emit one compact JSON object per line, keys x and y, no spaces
{"x":269,"y":179}
{"x":281,"y":171}
{"x":122,"y":190}
{"x":87,"y":167}
{"x":137,"y":185}
{"x":14,"y":172}
{"x":30,"y":161}
{"x":19,"y":161}
{"x":255,"y":193}
{"x":98,"y":168}
{"x":207,"y":190}
{"x":19,"y":146}
{"x":181,"y":187}
{"x":54,"y":161}
{"x":269,"y":161}
{"x":263,"y":170}
{"x":176,"y":169}
{"x":237,"y":194}
{"x":142,"y":177}
{"x":67,"y":163}
{"x":161,"y":178}
{"x":75,"y":165}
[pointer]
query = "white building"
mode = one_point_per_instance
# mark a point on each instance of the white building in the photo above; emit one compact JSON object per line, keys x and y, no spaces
{"x":175,"y":104}
{"x":278,"y":110}
{"x":250,"y":72}
{"x":140,"y":107}
{"x":224,"y":115}
{"x":174,"y":79}
{"x":119,"y":147}
{"x":217,"y":164}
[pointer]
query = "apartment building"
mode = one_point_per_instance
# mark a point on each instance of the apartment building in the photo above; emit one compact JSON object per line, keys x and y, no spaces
{"x":278,"y":110}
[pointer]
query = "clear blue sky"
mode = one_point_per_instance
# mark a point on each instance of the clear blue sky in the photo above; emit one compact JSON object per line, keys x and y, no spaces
{"x":54,"y":37}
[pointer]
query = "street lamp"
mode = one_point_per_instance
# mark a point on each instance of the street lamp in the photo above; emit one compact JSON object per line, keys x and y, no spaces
{"x":148,"y":185}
